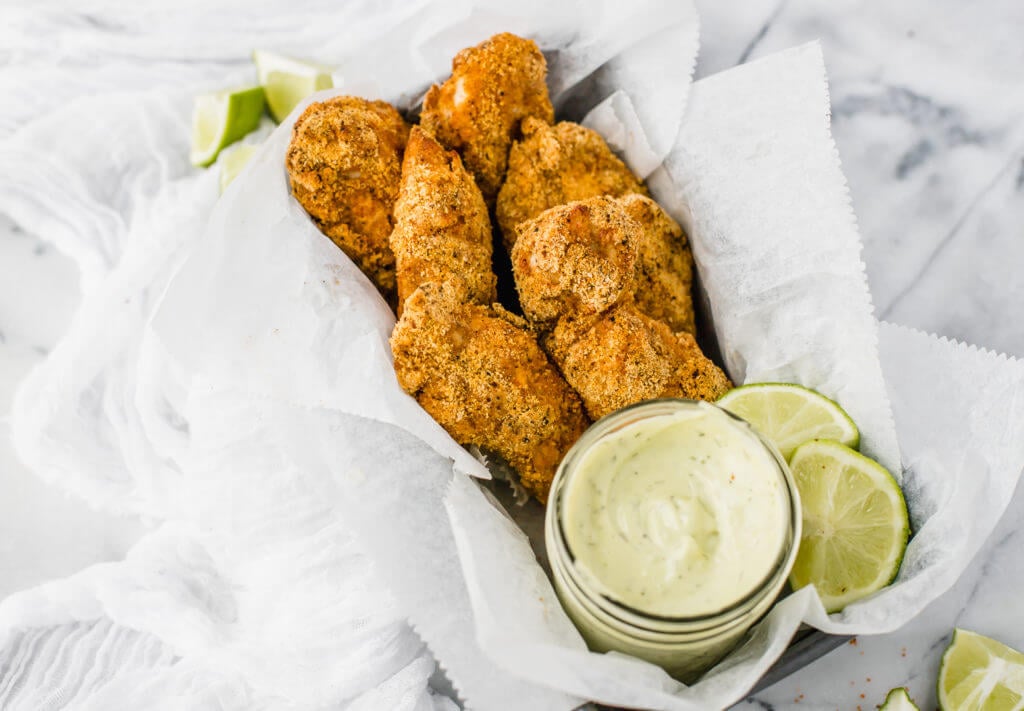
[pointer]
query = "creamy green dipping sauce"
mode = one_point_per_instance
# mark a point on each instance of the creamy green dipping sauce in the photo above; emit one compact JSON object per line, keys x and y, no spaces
{"x":676,"y":515}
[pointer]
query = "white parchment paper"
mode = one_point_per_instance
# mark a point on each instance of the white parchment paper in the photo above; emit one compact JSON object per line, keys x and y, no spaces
{"x":755,"y":176}
{"x":231,"y":378}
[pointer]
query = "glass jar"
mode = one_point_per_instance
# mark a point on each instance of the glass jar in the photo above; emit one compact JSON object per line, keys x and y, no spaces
{"x":685,"y":645}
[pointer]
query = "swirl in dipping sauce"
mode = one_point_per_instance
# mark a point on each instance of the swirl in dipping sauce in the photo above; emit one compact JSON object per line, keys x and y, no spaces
{"x":677,"y":515}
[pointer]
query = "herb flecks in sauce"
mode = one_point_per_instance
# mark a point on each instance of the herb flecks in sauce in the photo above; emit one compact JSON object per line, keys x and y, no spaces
{"x":677,"y":515}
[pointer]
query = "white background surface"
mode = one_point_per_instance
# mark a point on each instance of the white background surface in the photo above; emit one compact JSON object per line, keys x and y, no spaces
{"x":928,"y":114}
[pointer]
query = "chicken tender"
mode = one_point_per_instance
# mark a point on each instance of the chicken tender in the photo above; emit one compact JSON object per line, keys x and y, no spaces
{"x":553,"y":165}
{"x":575,"y":259}
{"x":479,"y":372}
{"x":622,"y":357}
{"x":344,"y":164}
{"x":442,"y":229}
{"x":477,"y":111}
{"x":576,"y":270}
{"x":664,"y":266}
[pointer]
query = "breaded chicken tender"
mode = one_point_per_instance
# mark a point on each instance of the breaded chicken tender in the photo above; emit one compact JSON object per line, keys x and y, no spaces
{"x":553,"y":165}
{"x":664,"y":267}
{"x":575,"y":268}
{"x":344,"y":164}
{"x":442,"y":229}
{"x":575,"y":259}
{"x":478,"y":110}
{"x":479,"y":372}
{"x":621,"y":357}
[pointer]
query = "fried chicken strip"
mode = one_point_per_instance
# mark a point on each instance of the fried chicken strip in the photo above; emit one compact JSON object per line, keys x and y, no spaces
{"x":477,"y":111}
{"x":575,"y":259}
{"x":479,"y":372}
{"x":622,"y":356}
{"x":553,"y":165}
{"x":664,"y":265}
{"x":584,"y":256}
{"x":575,"y":270}
{"x":441,"y":225}
{"x":344,"y":164}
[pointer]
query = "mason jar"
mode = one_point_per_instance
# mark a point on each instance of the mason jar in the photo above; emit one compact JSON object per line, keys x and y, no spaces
{"x":671,"y":529}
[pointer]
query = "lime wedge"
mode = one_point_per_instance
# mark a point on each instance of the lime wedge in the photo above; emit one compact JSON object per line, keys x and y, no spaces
{"x":855,"y":524}
{"x":233,"y":162}
{"x":288,"y":81}
{"x":221,"y":118}
{"x":980,"y":674}
{"x":898,"y":700}
{"x":790,"y":415}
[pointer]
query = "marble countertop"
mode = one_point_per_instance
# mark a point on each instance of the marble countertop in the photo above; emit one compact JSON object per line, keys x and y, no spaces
{"x":928,"y":115}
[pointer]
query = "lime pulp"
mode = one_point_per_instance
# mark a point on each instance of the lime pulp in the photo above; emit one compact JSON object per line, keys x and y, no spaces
{"x":789,"y":415}
{"x":221,"y":118}
{"x":288,"y":81}
{"x":855,"y":523}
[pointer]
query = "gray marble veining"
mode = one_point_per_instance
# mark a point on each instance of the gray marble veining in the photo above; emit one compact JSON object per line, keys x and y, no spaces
{"x":928,"y":117}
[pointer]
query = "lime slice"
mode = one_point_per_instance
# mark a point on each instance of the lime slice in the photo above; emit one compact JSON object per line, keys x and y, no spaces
{"x":898,"y":700}
{"x":855,"y":524}
{"x":980,"y":674}
{"x":288,"y":81}
{"x":790,"y":415}
{"x":233,"y":162}
{"x":221,"y":118}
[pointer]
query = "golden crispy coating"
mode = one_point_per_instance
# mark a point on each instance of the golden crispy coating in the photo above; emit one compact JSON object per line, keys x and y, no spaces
{"x":479,"y":372}
{"x":441,"y":225}
{"x":576,"y":270}
{"x":575,"y":259}
{"x":622,"y":357}
{"x":477,"y":112}
{"x":553,"y":165}
{"x":344,"y":165}
{"x":664,"y":268}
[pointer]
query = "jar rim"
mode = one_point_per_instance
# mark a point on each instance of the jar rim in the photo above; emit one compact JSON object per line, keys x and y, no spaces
{"x":621,"y":611}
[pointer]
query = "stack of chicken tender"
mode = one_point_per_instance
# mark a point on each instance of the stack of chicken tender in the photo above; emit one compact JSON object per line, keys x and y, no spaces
{"x":603,"y":274}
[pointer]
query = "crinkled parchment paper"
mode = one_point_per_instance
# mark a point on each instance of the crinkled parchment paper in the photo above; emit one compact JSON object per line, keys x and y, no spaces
{"x":231,"y":379}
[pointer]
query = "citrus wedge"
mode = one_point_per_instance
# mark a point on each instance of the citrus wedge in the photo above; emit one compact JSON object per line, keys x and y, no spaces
{"x":221,"y":118}
{"x":233,"y":162}
{"x":288,"y":81}
{"x":790,"y":415}
{"x":855,"y":523}
{"x":980,"y":674}
{"x":898,"y":700}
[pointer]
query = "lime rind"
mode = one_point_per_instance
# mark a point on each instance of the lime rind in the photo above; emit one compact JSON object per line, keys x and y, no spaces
{"x":790,"y":415}
{"x":855,"y":523}
{"x":978,"y":673}
{"x":221,"y":118}
{"x":898,"y":700}
{"x":287,"y":81}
